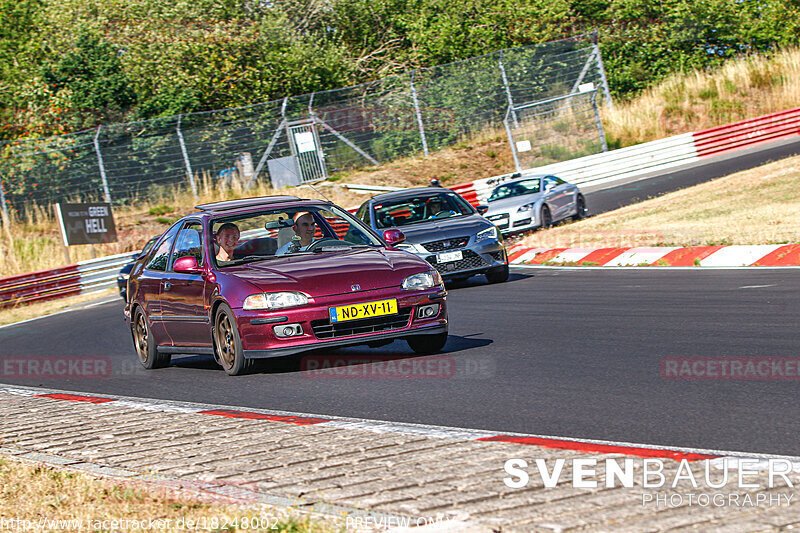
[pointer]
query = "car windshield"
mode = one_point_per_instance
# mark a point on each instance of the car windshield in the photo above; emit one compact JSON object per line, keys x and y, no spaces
{"x":517,"y":188}
{"x":272,"y":233}
{"x":422,"y":208}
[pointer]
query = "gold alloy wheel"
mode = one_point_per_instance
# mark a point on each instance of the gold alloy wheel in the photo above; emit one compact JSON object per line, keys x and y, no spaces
{"x":140,"y":334}
{"x":226,"y":344}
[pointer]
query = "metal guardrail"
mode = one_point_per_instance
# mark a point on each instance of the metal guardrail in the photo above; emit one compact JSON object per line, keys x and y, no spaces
{"x":84,"y":276}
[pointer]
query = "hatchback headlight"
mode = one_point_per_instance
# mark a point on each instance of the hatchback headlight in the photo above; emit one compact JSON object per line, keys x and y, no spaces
{"x":526,"y":207}
{"x":488,"y":233}
{"x":422,"y":281}
{"x":274,"y":300}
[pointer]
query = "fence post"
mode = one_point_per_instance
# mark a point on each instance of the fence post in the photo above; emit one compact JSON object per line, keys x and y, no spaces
{"x":419,"y":116}
{"x":602,"y":72}
{"x":511,"y":142}
{"x":106,"y":192}
{"x":6,"y":219}
{"x":599,"y":122}
{"x":508,"y":90}
{"x":186,"y":158}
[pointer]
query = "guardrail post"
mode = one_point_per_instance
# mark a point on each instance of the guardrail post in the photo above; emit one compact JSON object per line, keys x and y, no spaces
{"x":419,"y":116}
{"x":186,"y":162}
{"x":6,"y":219}
{"x":508,"y":91}
{"x":106,"y":192}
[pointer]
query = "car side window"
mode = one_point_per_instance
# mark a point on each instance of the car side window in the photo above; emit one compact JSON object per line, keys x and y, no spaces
{"x":363,"y":213}
{"x":159,"y":259}
{"x":551,"y":182}
{"x":189,"y":242}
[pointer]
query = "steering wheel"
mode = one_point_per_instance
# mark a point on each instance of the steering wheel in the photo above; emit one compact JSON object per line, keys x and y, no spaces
{"x":326,"y":241}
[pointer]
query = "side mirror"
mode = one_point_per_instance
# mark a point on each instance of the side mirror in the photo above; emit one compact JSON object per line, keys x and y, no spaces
{"x":393,"y":237}
{"x":187,"y":265}
{"x":482,"y":209}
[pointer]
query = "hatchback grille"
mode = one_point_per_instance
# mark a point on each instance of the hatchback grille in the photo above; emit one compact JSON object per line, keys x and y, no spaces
{"x":469,"y":261}
{"x":446,"y":244}
{"x":324,"y":329}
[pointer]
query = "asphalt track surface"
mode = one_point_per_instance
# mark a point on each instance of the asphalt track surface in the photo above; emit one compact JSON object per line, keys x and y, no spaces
{"x":615,"y":197}
{"x":560,"y":352}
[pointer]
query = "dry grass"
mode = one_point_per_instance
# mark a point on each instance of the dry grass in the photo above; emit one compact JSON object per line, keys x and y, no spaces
{"x":38,"y":493}
{"x":697,"y":100}
{"x":756,"y":206}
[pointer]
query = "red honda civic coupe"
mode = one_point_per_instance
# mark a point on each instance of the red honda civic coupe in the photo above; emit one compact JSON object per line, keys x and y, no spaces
{"x":265,"y":277}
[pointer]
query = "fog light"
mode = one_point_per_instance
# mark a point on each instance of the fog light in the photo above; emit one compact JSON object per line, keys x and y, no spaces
{"x":428,"y":311}
{"x":288,"y":330}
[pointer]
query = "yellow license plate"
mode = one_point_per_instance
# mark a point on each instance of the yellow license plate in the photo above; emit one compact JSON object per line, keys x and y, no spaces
{"x":365,"y":310}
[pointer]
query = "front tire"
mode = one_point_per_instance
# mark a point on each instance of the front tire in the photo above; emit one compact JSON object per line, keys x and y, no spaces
{"x":228,"y":344}
{"x":546,"y":218}
{"x":145,"y":344}
{"x":498,"y":275}
{"x":581,"y":206}
{"x":427,"y":344}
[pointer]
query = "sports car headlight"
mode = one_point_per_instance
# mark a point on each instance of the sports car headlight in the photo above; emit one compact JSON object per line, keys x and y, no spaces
{"x":274,"y":300}
{"x":488,"y":233}
{"x":422,"y":281}
{"x":526,"y":207}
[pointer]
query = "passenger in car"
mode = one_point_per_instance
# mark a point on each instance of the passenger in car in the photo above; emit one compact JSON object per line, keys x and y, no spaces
{"x":226,"y":238}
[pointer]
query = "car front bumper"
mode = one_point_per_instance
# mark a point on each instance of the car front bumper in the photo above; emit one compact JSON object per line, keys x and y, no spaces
{"x":259,"y":340}
{"x":476,"y":259}
{"x":509,"y":222}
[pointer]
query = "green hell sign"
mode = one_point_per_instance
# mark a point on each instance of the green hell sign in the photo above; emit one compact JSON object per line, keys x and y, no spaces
{"x":86,"y":223}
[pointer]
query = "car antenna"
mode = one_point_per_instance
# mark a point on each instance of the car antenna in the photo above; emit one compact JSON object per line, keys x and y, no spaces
{"x":318,"y":192}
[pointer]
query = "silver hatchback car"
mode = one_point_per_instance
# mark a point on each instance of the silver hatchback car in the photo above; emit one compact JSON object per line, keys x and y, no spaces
{"x":534,"y":201}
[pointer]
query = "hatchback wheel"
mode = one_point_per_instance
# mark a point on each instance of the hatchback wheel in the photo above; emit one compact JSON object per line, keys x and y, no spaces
{"x":145,"y":344}
{"x":497,"y":275}
{"x":581,"y":206}
{"x":227,"y":343}
{"x":427,"y":344}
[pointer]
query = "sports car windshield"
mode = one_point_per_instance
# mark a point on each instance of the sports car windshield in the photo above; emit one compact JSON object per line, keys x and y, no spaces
{"x":272,"y":233}
{"x":422,"y":208}
{"x":518,"y":188}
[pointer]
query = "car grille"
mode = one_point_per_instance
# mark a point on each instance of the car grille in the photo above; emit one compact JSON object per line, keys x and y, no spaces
{"x":498,"y":255}
{"x":323,"y":329}
{"x":446,"y":244}
{"x":470,"y":260}
{"x":501,"y":220}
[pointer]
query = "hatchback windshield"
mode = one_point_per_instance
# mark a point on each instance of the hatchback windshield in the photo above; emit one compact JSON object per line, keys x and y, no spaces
{"x":272,"y":233}
{"x":406,"y":211}
{"x":517,"y":188}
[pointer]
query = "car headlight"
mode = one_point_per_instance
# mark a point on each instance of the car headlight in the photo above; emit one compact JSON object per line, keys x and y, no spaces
{"x":526,"y":207}
{"x":422,"y":281}
{"x":488,"y":233}
{"x":274,"y":300}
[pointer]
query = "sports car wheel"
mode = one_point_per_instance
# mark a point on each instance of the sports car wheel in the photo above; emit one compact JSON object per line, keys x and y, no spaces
{"x":546,"y":218}
{"x":497,"y":276}
{"x":227,"y":343}
{"x":145,"y":343}
{"x":427,"y":344}
{"x":581,"y":205}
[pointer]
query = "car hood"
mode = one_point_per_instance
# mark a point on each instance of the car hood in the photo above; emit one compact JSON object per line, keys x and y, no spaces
{"x":330,"y":273}
{"x":507,"y":204}
{"x":444,"y":228}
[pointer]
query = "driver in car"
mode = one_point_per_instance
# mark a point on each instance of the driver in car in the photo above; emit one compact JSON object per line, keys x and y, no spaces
{"x":304,"y":228}
{"x":436,"y":209}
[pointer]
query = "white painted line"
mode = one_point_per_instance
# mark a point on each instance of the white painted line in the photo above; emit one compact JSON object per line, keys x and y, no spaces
{"x":89,"y":305}
{"x":758,"y":286}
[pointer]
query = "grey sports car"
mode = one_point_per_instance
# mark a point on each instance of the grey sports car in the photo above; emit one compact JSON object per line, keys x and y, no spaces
{"x":534,"y":201}
{"x":441,"y":227}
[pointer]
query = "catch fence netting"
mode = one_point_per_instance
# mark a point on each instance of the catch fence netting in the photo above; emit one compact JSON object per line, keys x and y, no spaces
{"x":306,"y":137}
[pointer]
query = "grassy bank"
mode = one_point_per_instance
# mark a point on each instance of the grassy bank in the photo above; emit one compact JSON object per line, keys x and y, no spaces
{"x":49,"y":499}
{"x":756,"y":206}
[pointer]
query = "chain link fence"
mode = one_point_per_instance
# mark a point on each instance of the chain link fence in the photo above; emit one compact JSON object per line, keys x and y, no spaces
{"x":307,"y":137}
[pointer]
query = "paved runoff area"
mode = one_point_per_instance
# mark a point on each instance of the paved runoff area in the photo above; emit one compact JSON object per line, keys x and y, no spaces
{"x":378,"y":475}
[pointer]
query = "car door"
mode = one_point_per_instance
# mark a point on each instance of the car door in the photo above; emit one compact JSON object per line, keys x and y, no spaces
{"x":150,"y":282}
{"x":557,"y":197}
{"x":183,"y":295}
